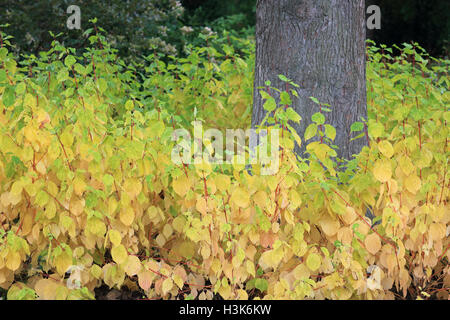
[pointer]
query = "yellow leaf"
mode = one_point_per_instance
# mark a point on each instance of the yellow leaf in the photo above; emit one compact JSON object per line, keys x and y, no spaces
{"x":260,"y":199}
{"x":167,"y":231}
{"x":127,"y":216}
{"x":50,"y":209}
{"x":382,"y":170}
{"x":294,"y":198}
{"x":240,"y":197}
{"x":386,"y":148}
{"x":437,"y":231}
{"x":178,"y":281}
{"x":16,"y":188}
{"x":413,"y":183}
{"x":133,"y":187}
{"x":133,"y":265}
{"x":372,"y":243}
{"x":250,"y":267}
{"x":119,"y":254}
{"x":406,"y":165}
{"x":67,"y":137}
{"x":202,"y":206}
{"x":13,"y":260}
{"x":46,"y":289}
{"x":181,"y":185}
{"x":329,"y":226}
{"x":167,"y":285}
{"x":96,"y":271}
{"x":242,"y":294}
{"x":301,"y":272}
{"x":115,"y":237}
{"x":152,"y":212}
{"x":313,"y":261}
{"x":63,"y":262}
{"x":160,"y":240}
{"x":178,"y":223}
{"x":222,"y":182}
{"x":349,"y":215}
{"x":40,"y":167}
{"x":145,"y":279}
{"x":79,"y":186}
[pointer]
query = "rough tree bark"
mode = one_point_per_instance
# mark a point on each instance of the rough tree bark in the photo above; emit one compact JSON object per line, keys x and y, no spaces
{"x":320,"y":45}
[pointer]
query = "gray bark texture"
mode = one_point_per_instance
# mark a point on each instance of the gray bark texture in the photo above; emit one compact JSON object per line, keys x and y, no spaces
{"x":320,"y":45}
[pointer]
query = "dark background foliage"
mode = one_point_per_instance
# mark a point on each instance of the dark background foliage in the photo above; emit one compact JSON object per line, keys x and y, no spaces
{"x":424,"y":21}
{"x":138,"y":27}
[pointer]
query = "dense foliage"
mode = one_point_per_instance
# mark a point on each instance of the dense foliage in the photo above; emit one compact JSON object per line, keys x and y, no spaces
{"x":136,"y":28}
{"x":427,"y":22}
{"x":86,"y":180}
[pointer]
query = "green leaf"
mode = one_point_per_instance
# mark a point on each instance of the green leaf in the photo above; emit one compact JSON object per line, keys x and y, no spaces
{"x":314,"y":100}
{"x":108,"y":180}
{"x":2,"y":75}
{"x":285,"y":98}
{"x":318,"y":118}
{"x":292,"y":115}
{"x":41,"y":198}
{"x":261,"y":284}
{"x":283,"y":78}
{"x":270,"y":104}
{"x":357,"y":126}
{"x":9,"y":96}
{"x":69,"y":61}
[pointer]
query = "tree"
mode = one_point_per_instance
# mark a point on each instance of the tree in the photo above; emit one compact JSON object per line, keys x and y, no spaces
{"x":319,"y":45}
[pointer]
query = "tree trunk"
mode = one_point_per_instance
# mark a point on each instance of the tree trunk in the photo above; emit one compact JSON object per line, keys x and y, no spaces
{"x":320,"y":45}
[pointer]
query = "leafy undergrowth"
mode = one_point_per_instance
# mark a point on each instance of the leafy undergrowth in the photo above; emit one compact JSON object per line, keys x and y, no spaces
{"x":89,"y":196}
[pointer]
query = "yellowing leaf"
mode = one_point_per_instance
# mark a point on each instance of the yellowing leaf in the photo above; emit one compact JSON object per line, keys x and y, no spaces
{"x":372,"y":243}
{"x":413,"y":183}
{"x":62,"y":262}
{"x":160,"y":240}
{"x":79,"y":186}
{"x":386,"y":148}
{"x":167,"y":285}
{"x":115,"y":237}
{"x":46,"y":289}
{"x":16,"y":188}
{"x":313,"y":261}
{"x":145,"y":279}
{"x":301,"y":272}
{"x":250,"y":267}
{"x":13,"y":260}
{"x":242,"y":294}
{"x":329,"y":226}
{"x":382,"y":170}
{"x":133,"y":187}
{"x":240,"y":197}
{"x":406,"y":165}
{"x":178,"y":281}
{"x":178,"y":223}
{"x":119,"y":254}
{"x":167,"y":231}
{"x":133,"y":265}
{"x":127,"y":216}
{"x":96,"y":271}
{"x":181,"y":185}
{"x":50,"y":209}
{"x":222,"y":182}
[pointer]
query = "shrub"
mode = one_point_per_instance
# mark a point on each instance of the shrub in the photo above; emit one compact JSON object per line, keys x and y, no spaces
{"x":87,"y":184}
